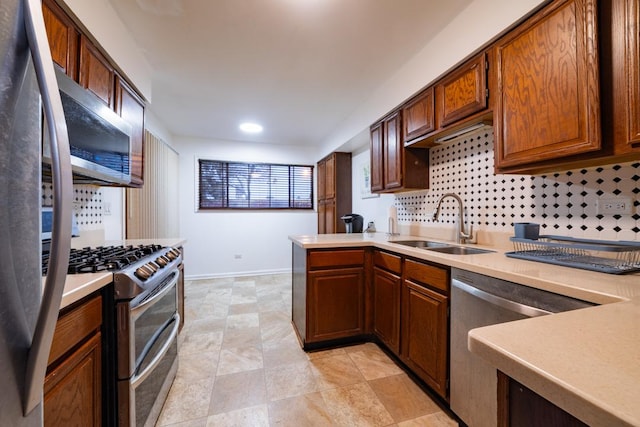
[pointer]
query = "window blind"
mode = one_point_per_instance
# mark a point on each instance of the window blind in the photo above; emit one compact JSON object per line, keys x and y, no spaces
{"x":232,"y":185}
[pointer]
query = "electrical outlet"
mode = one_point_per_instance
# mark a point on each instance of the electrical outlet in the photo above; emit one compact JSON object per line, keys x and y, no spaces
{"x":615,"y":206}
{"x":106,"y":209}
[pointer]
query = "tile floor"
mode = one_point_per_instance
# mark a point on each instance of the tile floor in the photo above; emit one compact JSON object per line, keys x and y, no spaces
{"x":241,"y":365}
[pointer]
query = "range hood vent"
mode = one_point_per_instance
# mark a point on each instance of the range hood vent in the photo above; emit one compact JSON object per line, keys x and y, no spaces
{"x":462,"y":132}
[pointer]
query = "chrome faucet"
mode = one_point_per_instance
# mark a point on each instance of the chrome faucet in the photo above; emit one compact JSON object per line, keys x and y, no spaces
{"x":462,"y":236}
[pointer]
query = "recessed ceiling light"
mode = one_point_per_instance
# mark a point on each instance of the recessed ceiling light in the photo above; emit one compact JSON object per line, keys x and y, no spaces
{"x":249,"y":127}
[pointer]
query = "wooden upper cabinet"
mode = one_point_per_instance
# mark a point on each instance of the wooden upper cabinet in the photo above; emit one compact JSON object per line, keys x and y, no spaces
{"x":322,"y":179}
{"x":633,"y":70}
{"x":96,"y":74}
{"x":63,"y":38}
{"x":330,"y":178}
{"x":419,"y":115}
{"x":334,"y":192}
{"x":632,"y":20}
{"x":130,"y":107}
{"x":620,"y":73}
{"x":393,"y":167}
{"x":462,"y":92}
{"x":548,"y":104}
{"x":377,"y":158}
{"x":393,"y":151}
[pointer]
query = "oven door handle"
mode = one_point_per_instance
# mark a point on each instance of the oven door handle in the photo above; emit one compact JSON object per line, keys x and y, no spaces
{"x":138,"y":378}
{"x":142,"y":307}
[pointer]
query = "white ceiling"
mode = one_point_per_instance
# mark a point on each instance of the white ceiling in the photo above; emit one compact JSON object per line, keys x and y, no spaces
{"x":298,"y":67}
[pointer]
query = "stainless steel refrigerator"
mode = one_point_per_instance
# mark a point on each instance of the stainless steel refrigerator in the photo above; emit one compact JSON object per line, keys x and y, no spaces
{"x":28,"y":310}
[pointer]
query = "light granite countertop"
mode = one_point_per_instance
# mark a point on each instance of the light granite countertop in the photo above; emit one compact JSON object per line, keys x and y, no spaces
{"x":78,"y":286}
{"x":599,"y":288}
{"x":586,"y":361}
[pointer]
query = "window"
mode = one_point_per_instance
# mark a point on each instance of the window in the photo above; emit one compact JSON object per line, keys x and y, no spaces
{"x":227,"y":185}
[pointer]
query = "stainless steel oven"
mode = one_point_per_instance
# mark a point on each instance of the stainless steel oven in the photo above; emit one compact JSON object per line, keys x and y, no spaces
{"x":147,"y":332}
{"x":141,"y":326}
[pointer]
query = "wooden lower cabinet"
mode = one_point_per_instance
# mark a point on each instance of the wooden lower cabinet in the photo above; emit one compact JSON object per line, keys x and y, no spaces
{"x":425,"y":324}
{"x":357,"y":294}
{"x":386,"y":289}
{"x":336,"y":308}
{"x":522,"y":407}
{"x":73,"y":384}
{"x":329,"y":294}
{"x":72,"y":395}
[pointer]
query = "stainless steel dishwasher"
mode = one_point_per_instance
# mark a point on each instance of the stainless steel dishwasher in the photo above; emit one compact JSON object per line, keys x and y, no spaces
{"x":478,"y":300}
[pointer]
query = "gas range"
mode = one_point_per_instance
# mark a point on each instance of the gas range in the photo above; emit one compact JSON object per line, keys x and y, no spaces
{"x":137,"y":269}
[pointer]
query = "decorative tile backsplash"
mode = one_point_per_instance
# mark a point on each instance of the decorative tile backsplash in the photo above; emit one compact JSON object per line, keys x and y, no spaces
{"x":87,"y":204}
{"x":563,"y":203}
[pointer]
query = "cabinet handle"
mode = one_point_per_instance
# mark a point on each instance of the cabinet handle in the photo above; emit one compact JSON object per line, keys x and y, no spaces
{"x":63,"y":192}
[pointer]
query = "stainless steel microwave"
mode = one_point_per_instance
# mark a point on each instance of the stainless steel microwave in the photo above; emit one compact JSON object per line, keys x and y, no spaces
{"x":100,"y":141}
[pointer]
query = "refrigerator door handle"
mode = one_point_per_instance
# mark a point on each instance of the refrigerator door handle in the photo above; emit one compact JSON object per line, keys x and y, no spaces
{"x":63,"y":192}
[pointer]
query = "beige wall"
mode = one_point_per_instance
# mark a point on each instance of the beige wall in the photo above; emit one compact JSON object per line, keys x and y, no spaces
{"x":477,"y":24}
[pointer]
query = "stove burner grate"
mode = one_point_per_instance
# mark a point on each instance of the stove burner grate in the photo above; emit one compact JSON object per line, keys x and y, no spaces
{"x":103,"y":258}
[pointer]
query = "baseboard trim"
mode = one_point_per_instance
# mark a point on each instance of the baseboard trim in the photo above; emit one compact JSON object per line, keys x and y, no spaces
{"x":237,"y":274}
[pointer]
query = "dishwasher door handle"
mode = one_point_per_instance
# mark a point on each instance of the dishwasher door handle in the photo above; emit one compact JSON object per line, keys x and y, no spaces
{"x":516,"y":307}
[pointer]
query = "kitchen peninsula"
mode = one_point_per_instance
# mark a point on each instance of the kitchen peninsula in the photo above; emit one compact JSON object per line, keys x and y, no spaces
{"x":585,"y":361}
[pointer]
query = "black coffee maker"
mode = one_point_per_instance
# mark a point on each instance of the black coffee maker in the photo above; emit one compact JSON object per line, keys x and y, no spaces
{"x":353,"y":222}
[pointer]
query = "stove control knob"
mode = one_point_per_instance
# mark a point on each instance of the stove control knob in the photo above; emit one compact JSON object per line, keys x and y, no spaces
{"x":143,"y":273}
{"x":153,"y":266}
{"x":170,"y":255}
{"x":161,"y":261}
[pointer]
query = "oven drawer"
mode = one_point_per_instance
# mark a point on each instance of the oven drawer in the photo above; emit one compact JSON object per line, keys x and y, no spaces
{"x":141,"y":397}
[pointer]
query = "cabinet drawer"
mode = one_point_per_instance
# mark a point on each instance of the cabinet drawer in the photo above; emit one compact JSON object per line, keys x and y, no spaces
{"x":427,"y":274}
{"x":74,"y":326}
{"x":388,"y":261}
{"x":320,"y":259}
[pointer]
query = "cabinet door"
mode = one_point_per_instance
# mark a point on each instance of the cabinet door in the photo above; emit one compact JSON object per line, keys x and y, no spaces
{"x":548,"y":86}
{"x":418,"y":116}
{"x":322,"y":229}
{"x":393,"y":151}
{"x":386,"y":307}
{"x":330,"y":220}
{"x":131,"y":108}
{"x":633,"y":70}
{"x":96,"y":74}
{"x":322,"y":179}
{"x":377,"y":158}
{"x":520,"y":406}
{"x":463,"y":92}
{"x":330,"y":177}
{"x":425,"y":335}
{"x":63,"y":38}
{"x":335,"y":301}
{"x":72,"y":391}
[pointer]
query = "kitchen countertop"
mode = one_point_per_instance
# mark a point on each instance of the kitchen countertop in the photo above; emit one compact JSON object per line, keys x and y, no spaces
{"x":78,"y":286}
{"x":599,"y":288}
{"x":586,"y":361}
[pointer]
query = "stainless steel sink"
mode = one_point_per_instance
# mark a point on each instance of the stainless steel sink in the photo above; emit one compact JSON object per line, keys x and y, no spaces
{"x":459,"y":250}
{"x":423,"y":244}
{"x":444,"y":248}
